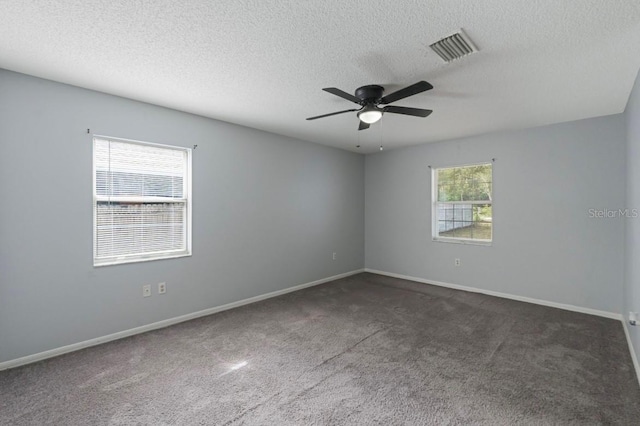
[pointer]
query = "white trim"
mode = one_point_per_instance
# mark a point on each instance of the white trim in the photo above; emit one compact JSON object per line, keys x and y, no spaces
{"x":164,"y":323}
{"x":634,"y":357}
{"x":138,"y":142}
{"x":137,"y":259}
{"x":486,"y":243}
{"x":564,"y":306}
{"x":458,"y":165}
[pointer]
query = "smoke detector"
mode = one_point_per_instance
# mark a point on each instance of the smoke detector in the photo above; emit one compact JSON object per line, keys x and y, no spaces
{"x":454,"y":46}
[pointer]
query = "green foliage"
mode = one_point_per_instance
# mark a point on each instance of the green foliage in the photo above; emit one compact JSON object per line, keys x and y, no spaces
{"x":482,"y":213}
{"x":469,"y":183}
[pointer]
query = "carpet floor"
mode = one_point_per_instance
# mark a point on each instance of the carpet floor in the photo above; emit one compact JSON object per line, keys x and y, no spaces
{"x":364,"y":350}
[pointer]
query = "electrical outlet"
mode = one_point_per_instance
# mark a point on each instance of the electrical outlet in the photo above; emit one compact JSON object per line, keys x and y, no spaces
{"x":633,"y":318}
{"x":162,"y":288}
{"x":146,"y":290}
{"x":334,"y":256}
{"x":456,"y":262}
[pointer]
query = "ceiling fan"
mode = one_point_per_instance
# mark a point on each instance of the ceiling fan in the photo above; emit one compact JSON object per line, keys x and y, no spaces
{"x":370,"y":97}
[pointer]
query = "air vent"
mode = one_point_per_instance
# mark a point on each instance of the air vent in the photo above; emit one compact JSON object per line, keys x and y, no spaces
{"x":454,"y":47}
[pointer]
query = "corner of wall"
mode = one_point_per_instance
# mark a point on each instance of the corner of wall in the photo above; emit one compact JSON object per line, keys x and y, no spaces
{"x":631,"y":281}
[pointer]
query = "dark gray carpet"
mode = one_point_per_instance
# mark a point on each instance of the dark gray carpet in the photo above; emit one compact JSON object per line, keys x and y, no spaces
{"x":364,"y":350}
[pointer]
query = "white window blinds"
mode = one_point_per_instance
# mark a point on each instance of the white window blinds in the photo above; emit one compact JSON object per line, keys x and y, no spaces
{"x":141,"y":201}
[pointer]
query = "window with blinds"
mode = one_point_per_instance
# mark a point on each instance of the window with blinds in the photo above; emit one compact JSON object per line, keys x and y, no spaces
{"x":141,"y":201}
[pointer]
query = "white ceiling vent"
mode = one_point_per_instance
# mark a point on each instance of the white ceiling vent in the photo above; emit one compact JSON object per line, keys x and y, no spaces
{"x":454,"y":47}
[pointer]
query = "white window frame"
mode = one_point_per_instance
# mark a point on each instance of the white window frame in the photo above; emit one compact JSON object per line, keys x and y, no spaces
{"x":435,"y":203}
{"x":187,"y":200}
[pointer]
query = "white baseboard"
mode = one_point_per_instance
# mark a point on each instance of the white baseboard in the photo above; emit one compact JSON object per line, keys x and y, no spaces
{"x":564,"y":306}
{"x":634,"y":357}
{"x":164,"y":323}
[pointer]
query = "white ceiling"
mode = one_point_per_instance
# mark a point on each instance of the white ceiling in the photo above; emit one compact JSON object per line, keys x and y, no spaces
{"x":263,"y":64}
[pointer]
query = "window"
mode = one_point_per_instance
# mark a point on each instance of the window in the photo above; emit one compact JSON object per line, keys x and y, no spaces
{"x":462,"y":204}
{"x":141,"y":201}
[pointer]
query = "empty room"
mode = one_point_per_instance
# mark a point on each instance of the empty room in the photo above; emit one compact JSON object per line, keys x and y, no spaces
{"x":319,"y":212}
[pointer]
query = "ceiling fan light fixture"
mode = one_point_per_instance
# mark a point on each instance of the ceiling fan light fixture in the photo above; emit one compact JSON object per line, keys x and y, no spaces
{"x":370,"y":114}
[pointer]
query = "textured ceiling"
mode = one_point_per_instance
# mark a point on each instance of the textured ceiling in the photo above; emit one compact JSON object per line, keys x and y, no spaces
{"x":263,"y":63}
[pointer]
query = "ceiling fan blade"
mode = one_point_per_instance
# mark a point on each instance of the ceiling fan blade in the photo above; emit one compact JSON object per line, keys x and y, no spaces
{"x":342,"y":94}
{"x":363,"y":125}
{"x":416,"y":112}
{"x":332,"y":113}
{"x":414,"y":89}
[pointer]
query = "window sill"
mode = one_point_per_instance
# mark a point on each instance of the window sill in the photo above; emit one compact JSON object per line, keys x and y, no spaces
{"x":466,"y":242}
{"x":138,"y":260}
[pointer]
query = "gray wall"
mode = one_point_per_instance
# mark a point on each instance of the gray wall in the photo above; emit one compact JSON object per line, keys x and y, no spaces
{"x":268,"y":212}
{"x":545,"y":244}
{"x":632,"y":242}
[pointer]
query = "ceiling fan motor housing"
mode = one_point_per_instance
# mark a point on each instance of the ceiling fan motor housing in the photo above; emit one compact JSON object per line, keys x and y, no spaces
{"x":370,"y":94}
